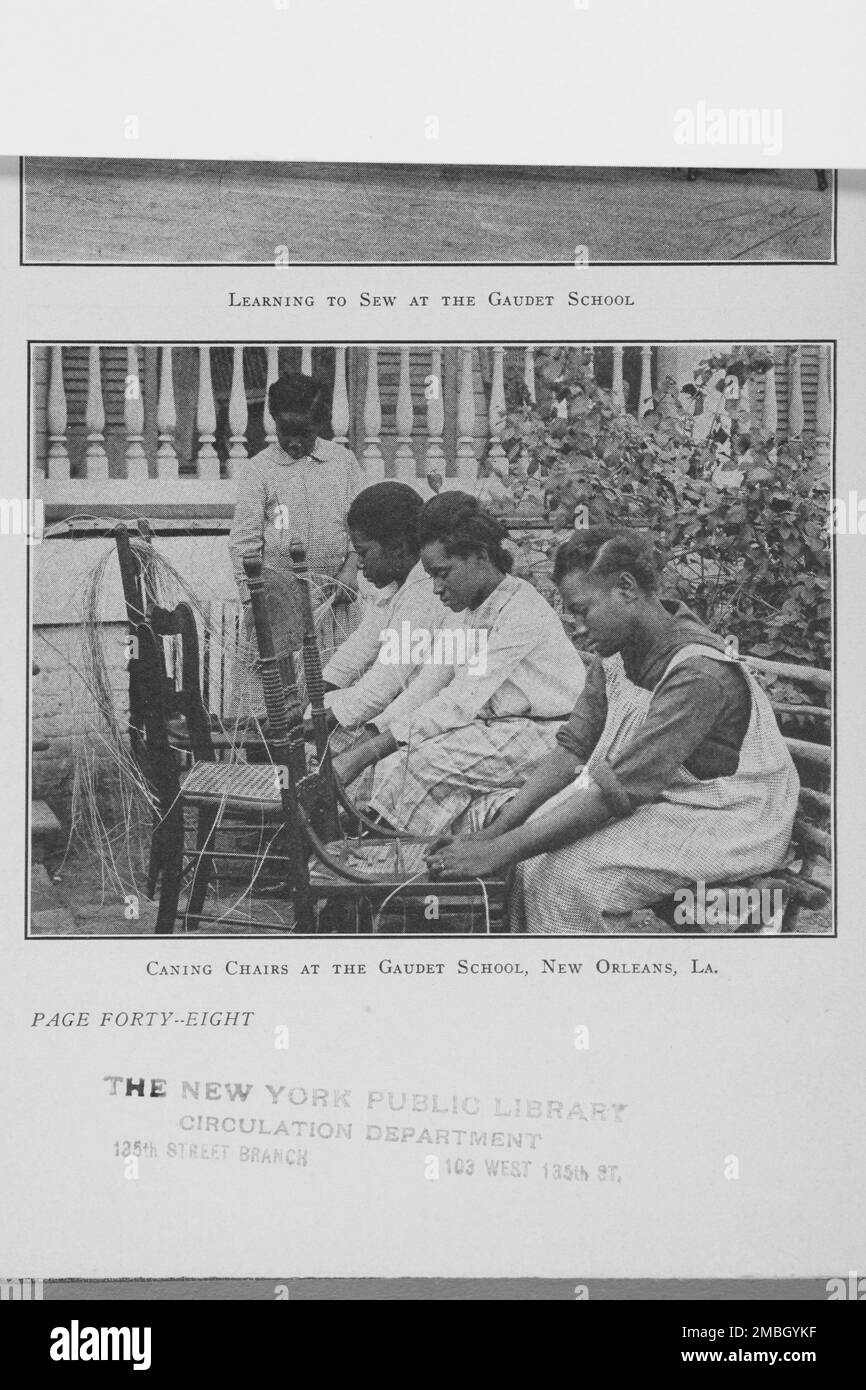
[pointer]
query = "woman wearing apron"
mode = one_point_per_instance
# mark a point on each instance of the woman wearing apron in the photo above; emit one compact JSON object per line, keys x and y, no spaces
{"x":670,"y":771}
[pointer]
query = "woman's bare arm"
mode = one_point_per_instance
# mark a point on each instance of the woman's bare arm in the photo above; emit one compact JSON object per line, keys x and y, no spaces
{"x":554,"y":772}
{"x":579,"y":814}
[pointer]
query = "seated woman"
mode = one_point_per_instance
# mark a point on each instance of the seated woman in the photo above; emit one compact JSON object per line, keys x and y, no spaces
{"x":671,"y":770}
{"x":475,"y":722}
{"x":375,"y":664}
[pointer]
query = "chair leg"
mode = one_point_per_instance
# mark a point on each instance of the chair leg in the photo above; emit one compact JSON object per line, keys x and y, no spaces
{"x":304,"y":910}
{"x":363,"y":917}
{"x":335,"y":916}
{"x":155,"y":858}
{"x":171,"y":871}
{"x":207,"y":819}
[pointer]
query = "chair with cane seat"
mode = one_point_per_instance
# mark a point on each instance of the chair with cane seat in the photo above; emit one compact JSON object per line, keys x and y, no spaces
{"x":354,"y":872}
{"x":451,"y":905}
{"x":156,"y":686}
{"x":150,"y":689}
{"x":222,"y":797}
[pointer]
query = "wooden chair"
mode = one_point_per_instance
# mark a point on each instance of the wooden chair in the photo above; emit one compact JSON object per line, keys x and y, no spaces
{"x":311,"y":659}
{"x":359,"y":874}
{"x":222,"y":798}
{"x":803,"y":881}
{"x":136,"y":597}
{"x":330,"y":881}
{"x":140,"y":594}
{"x":162,"y":687}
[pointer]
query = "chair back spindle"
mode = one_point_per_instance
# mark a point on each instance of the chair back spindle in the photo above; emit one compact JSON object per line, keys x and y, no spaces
{"x":180,"y":622}
{"x":279,"y":686}
{"x":310,"y":650}
{"x":333,"y":795}
{"x":286,"y":735}
{"x":316,"y":694}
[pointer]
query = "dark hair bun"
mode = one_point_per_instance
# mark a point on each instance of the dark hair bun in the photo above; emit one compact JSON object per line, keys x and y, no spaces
{"x":387,"y":511}
{"x":602,"y":551}
{"x":463,"y":527}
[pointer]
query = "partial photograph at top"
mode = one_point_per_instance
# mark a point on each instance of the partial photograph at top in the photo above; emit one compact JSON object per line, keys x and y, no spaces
{"x":234,"y":212}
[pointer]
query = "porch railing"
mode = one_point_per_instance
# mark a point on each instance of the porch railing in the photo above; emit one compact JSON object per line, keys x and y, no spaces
{"x":121,"y":449}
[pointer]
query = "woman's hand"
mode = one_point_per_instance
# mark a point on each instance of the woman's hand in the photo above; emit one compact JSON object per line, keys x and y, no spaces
{"x":469,"y":858}
{"x":490,"y":832}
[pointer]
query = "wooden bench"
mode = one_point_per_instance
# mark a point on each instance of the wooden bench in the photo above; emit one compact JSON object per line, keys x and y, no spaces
{"x":804,"y":880}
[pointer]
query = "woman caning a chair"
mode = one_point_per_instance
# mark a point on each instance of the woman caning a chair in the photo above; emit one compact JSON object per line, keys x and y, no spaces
{"x":671,"y":769}
{"x":501,"y":678}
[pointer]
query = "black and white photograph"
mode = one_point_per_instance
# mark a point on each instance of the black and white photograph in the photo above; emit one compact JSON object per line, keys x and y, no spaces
{"x":211,"y":212}
{"x":426,"y":639}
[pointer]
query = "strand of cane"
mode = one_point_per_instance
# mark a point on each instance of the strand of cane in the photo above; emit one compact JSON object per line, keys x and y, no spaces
{"x":486,"y":905}
{"x":399,"y":889}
